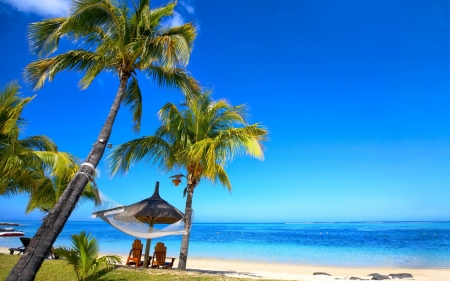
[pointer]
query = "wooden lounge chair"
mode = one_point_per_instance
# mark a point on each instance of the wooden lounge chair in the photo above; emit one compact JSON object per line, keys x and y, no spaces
{"x":134,"y":258}
{"x":25,"y":241}
{"x":159,"y":257}
{"x":52,"y":254}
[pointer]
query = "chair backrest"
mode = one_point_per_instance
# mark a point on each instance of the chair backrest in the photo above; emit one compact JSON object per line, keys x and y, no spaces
{"x":25,"y":241}
{"x":136,"y":249}
{"x":159,"y":257}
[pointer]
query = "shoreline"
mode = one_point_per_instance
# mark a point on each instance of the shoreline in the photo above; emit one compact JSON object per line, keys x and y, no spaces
{"x":8,"y":224}
{"x":284,"y":271}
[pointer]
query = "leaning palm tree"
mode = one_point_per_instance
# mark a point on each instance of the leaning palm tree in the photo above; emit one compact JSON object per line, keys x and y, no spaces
{"x":200,"y":139}
{"x":117,"y":39}
{"x":31,"y":165}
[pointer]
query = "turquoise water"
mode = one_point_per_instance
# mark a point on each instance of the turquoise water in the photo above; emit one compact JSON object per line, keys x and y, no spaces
{"x":398,"y":244}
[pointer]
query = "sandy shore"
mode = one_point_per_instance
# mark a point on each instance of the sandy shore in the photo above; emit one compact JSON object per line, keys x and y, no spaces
{"x":262,"y":270}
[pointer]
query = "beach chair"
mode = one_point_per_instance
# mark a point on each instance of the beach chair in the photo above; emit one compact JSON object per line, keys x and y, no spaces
{"x":134,"y":258}
{"x":52,"y":254}
{"x":159,"y":257}
{"x":25,"y":241}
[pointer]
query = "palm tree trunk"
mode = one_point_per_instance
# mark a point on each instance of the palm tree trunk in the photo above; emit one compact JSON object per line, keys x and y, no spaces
{"x":35,"y":253}
{"x":187,"y":229}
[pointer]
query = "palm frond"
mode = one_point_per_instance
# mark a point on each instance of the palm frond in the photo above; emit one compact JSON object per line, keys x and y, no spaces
{"x":43,"y":36}
{"x":86,"y":15}
{"x":158,"y":14}
{"x":241,"y":141}
{"x":16,"y":182}
{"x":221,"y":176}
{"x":60,"y":164}
{"x":169,"y":48}
{"x":140,"y":18}
{"x":150,"y":148}
{"x":79,"y":60}
{"x":173,"y":78}
{"x":39,"y":143}
{"x":43,"y":197}
{"x":11,"y":106}
{"x":133,"y":99}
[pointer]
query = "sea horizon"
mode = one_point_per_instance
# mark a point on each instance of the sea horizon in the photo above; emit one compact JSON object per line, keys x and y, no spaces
{"x":283,"y":222}
{"x":417,"y":244}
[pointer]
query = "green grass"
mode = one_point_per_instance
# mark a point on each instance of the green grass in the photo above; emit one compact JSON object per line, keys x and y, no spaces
{"x":57,"y":270}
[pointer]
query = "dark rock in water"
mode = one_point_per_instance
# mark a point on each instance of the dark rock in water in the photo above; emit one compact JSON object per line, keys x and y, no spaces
{"x":401,"y":275}
{"x":355,"y":278}
{"x":380,"y":277}
{"x":373,"y":274}
{"x":321,"y":273}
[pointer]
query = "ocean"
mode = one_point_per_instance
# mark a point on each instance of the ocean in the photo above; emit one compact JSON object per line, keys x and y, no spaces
{"x":391,"y":244}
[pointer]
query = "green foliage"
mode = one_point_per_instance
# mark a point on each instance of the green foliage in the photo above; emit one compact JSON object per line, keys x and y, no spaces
{"x":201,"y":138}
{"x":113,"y":37}
{"x":84,"y":256}
{"x":31,"y":165}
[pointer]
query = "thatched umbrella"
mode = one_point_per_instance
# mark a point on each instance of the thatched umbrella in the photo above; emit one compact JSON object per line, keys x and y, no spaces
{"x":153,"y":210}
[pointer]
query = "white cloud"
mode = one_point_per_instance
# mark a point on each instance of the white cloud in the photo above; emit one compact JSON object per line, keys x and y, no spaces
{"x":53,"y":8}
{"x":187,"y":6}
{"x":175,"y":20}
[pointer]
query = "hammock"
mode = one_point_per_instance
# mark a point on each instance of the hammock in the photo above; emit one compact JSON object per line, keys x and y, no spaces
{"x":113,"y":213}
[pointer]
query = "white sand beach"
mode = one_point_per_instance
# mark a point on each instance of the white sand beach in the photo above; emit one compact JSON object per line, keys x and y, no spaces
{"x":304,"y":272}
{"x":263,"y":270}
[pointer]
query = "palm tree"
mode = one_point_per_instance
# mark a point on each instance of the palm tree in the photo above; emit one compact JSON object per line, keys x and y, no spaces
{"x":32,"y":165}
{"x":200,"y":139}
{"x":115,"y":39}
{"x":16,"y":154}
{"x":84,"y":256}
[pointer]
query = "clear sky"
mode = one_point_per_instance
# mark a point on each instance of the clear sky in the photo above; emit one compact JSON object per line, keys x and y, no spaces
{"x":355,"y":95}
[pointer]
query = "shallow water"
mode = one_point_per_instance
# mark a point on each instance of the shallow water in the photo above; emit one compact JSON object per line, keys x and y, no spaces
{"x":397,"y":244}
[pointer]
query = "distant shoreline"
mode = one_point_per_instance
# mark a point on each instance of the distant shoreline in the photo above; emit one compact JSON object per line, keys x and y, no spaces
{"x":9,"y":223}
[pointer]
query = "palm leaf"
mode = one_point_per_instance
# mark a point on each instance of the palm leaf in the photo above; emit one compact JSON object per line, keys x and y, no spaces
{"x":79,"y":60}
{"x":173,"y":78}
{"x":150,"y":148}
{"x":133,"y":98}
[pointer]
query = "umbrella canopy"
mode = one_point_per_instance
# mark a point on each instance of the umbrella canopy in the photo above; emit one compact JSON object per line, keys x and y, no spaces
{"x":154,"y":210}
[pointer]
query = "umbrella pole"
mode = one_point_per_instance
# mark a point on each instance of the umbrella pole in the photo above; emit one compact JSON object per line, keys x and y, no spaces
{"x":147,"y":247}
{"x":147,"y":252}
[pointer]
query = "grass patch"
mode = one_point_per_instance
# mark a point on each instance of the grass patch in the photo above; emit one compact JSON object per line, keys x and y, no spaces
{"x":57,"y":270}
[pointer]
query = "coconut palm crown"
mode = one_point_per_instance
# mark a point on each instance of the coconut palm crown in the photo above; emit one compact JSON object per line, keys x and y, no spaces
{"x":200,"y":139}
{"x":114,"y":38}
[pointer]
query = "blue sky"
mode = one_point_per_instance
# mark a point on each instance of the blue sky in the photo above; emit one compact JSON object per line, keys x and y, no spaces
{"x":354,"y":94}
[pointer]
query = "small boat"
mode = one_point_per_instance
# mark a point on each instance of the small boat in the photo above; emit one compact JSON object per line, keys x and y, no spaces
{"x":7,"y":232}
